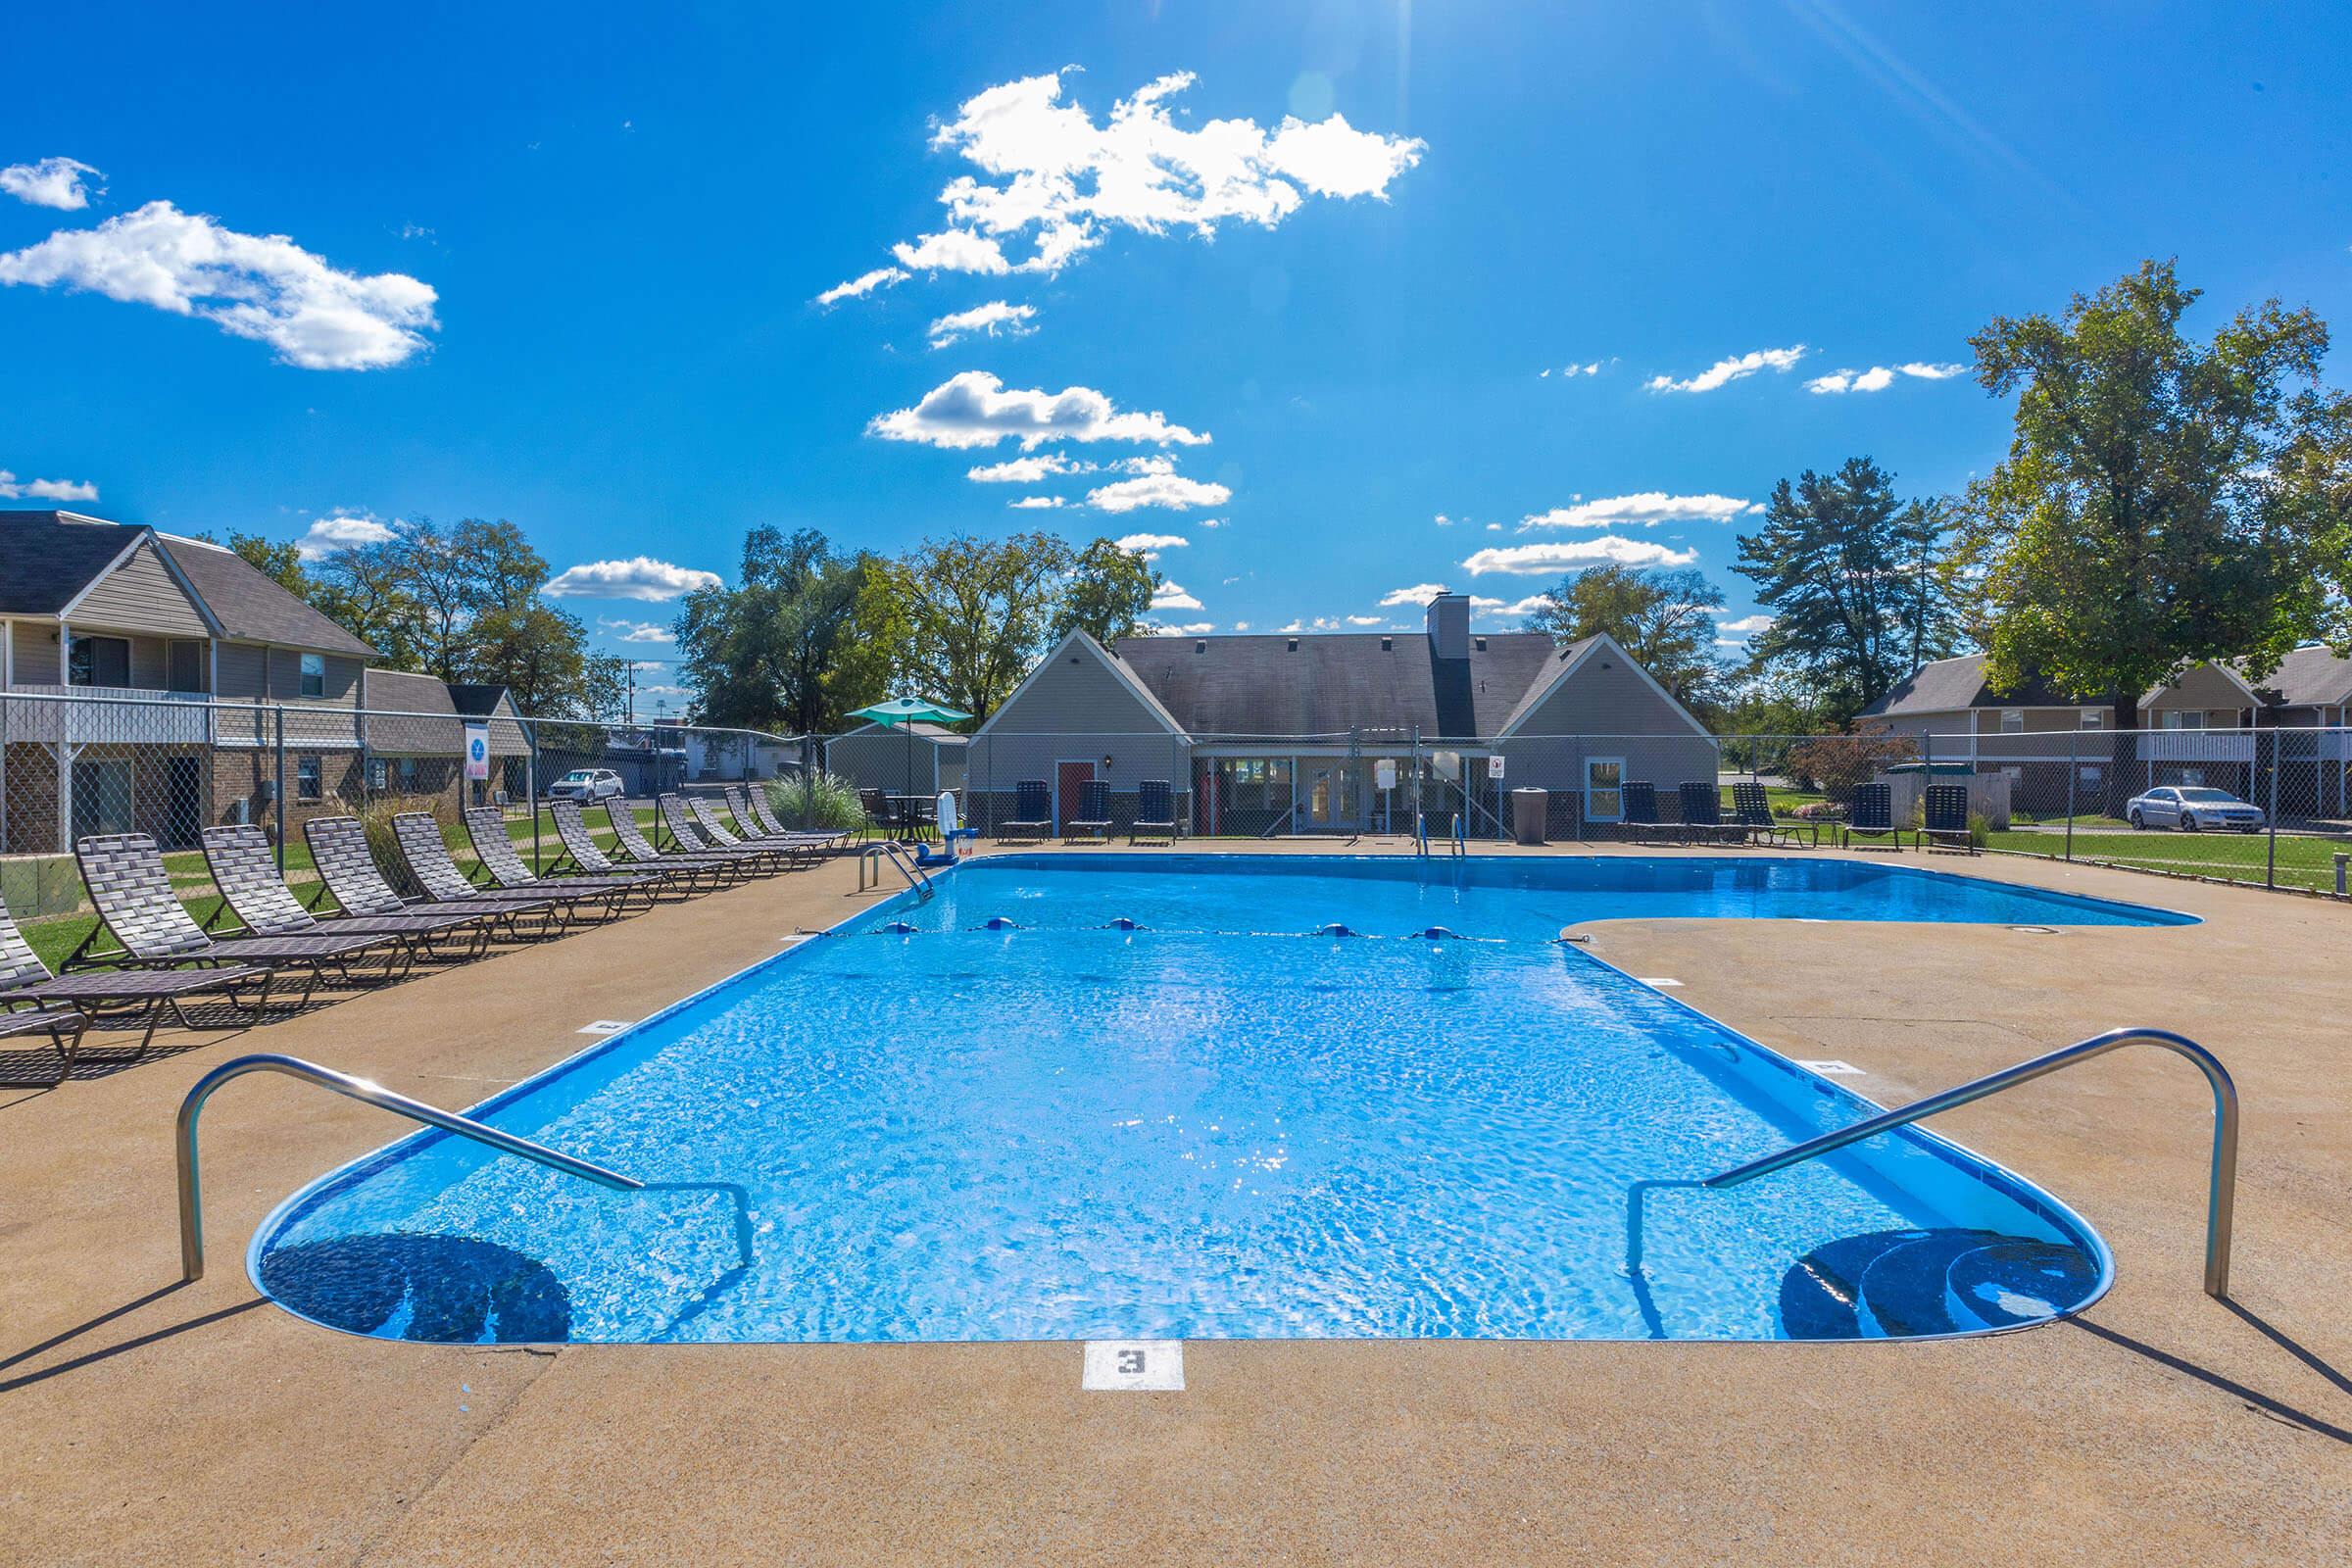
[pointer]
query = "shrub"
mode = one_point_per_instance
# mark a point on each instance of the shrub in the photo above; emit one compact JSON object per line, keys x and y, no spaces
{"x":822,"y":801}
{"x":376,"y":818}
{"x":1819,"y":812}
{"x":1835,"y":764}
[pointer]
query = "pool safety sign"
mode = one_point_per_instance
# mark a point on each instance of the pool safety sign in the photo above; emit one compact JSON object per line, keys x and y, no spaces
{"x":1134,"y":1366}
{"x":477,"y":751}
{"x":1494,"y":766}
{"x":1384,"y":773}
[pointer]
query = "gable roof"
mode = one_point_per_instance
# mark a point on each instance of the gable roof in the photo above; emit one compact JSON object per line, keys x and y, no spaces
{"x":402,"y":691}
{"x":1951,"y":684}
{"x":479,"y":701}
{"x":247,"y":605}
{"x":1330,"y":682}
{"x":47,"y":558}
{"x":2307,"y":677}
{"x":1572,"y":658}
{"x":1119,"y":669}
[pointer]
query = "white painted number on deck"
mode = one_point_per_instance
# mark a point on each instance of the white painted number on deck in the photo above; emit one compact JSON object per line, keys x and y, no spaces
{"x":1132,"y":1365}
{"x":606,"y":1026}
{"x":1833,"y":1070}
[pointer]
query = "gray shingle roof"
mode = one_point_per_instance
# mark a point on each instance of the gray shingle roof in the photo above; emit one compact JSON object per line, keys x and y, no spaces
{"x":250,"y":607}
{"x":401,"y":691}
{"x":1950,"y":684}
{"x":1257,"y":685}
{"x":2308,"y":678}
{"x":46,"y":557}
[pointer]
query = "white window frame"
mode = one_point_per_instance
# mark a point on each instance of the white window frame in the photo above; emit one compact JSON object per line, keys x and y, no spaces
{"x":313,"y":667}
{"x":1618,"y":789}
{"x":2094,"y":719}
{"x":2013,"y":723}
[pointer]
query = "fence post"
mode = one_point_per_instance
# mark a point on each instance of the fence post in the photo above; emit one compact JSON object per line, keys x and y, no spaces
{"x":277,"y":791}
{"x":530,"y":787}
{"x":2073,"y":769}
{"x":2270,"y":869}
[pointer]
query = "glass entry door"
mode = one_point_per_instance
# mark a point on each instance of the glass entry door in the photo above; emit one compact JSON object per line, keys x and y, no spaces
{"x":1333,"y":800}
{"x":1604,"y":789}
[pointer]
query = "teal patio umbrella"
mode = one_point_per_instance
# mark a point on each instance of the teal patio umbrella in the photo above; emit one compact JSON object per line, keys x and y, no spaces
{"x":904,"y":713}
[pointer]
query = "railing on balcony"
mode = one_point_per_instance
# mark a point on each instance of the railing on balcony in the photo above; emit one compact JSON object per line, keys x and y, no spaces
{"x":107,"y":715}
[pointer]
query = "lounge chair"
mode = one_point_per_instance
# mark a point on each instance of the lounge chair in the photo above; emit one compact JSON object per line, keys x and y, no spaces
{"x":1092,"y":819}
{"x":707,"y":867}
{"x":1032,"y":812}
{"x":1943,"y":820}
{"x":417,"y":835}
{"x":1702,"y":810}
{"x":347,"y":866}
{"x":493,"y":847}
{"x":686,"y":833}
{"x":33,"y":1000}
{"x":1155,"y":812}
{"x":1751,"y":812}
{"x":1872,"y":817}
{"x":131,"y":891}
{"x":585,"y":857}
{"x":1637,"y":814}
{"x":245,"y":870}
{"x":790,"y":854}
{"x":748,"y":808}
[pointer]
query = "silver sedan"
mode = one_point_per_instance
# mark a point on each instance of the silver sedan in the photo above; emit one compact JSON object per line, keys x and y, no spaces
{"x":2192,"y":807}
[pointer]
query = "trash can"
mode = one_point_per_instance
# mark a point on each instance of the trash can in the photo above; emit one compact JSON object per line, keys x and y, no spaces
{"x":1528,"y":810}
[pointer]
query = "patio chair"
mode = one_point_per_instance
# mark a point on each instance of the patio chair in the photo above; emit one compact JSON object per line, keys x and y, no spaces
{"x":1943,"y":820}
{"x":245,"y":870}
{"x":1637,"y":814}
{"x":1092,"y":816}
{"x":131,"y":891}
{"x":687,"y":835}
{"x":1155,"y":812}
{"x":417,"y":835}
{"x":346,"y":864}
{"x":1032,"y":812}
{"x":585,"y":857}
{"x":707,"y":868}
{"x":33,"y":1000}
{"x":494,"y":849}
{"x":1872,"y":817}
{"x":786,"y":853}
{"x":876,"y":807}
{"x":1702,"y":810}
{"x":1751,"y":810}
{"x":750,"y":810}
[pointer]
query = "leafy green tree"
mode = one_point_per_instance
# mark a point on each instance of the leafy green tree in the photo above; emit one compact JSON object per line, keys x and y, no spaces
{"x":767,"y":653}
{"x":1858,"y":583}
{"x":1663,"y":617}
{"x":2164,"y":501}
{"x":1107,"y":596}
{"x":363,"y":589}
{"x":278,"y":559}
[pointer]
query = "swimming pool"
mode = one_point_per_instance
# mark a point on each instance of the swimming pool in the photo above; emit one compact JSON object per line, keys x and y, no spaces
{"x":1211,"y":1126}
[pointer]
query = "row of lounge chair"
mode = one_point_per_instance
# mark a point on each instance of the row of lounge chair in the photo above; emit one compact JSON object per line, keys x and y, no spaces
{"x":1943,"y":820}
{"x":1871,"y":819}
{"x":149,"y":956}
{"x":1033,"y":813}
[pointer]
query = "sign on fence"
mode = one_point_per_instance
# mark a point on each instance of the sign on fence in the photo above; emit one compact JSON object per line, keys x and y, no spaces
{"x":1384,"y":773}
{"x":1494,"y":766}
{"x":477,"y":751}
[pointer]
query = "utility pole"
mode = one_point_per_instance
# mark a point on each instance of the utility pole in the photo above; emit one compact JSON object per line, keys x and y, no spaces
{"x":631,"y":666}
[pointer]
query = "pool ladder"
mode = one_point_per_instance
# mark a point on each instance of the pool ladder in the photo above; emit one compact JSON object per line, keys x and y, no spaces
{"x":366,"y":1090}
{"x":2221,"y":1202}
{"x":870,"y":869}
{"x":1456,"y":839}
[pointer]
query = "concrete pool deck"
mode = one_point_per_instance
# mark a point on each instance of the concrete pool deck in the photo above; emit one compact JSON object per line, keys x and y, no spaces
{"x":141,"y":1422}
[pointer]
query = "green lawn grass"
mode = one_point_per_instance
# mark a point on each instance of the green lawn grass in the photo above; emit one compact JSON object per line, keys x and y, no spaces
{"x":2303,"y":862}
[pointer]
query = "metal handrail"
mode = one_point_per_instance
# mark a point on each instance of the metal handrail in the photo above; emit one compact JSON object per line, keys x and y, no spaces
{"x":2221,"y":1194}
{"x":917,"y":877}
{"x":191,"y":1198}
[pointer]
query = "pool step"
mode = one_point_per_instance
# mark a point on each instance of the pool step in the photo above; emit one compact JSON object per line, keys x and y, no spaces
{"x":1901,"y":1283}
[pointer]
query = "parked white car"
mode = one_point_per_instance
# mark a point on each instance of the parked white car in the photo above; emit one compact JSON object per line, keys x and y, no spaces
{"x":587,"y":785}
{"x":2192,"y":807}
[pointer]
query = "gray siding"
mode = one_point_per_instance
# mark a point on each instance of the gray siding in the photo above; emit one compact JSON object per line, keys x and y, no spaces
{"x":140,"y":596}
{"x":243,"y":671}
{"x":1610,"y":712}
{"x":880,"y":760}
{"x":35,"y":654}
{"x":1076,"y":709}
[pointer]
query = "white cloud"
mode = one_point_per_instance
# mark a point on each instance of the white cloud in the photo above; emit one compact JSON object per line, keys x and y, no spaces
{"x":1241,"y":625}
{"x":340,"y":530}
{"x":976,"y":410}
{"x":1319,"y":623}
{"x":1161,"y":487}
{"x":1643,"y":509}
{"x":260,"y":287}
{"x":1150,"y":545}
{"x":1879,"y":378}
{"x":1532,"y":560}
{"x":863,"y":283}
{"x":1190,"y":628}
{"x":13,"y":489}
{"x":1498,"y":607}
{"x":1570,"y":371}
{"x":1026,"y":471}
{"x":1037,"y":502}
{"x":638,"y":578}
{"x":1168,"y":595}
{"x":1363,"y":621}
{"x":52,"y":182}
{"x":1419,"y":594}
{"x":1053,"y":178}
{"x":1210,"y":522}
{"x":635,"y":631}
{"x":1443,"y":520}
{"x":1745,"y":626}
{"x":1725,"y":371}
{"x":1011,"y":320}
{"x":651,"y":666}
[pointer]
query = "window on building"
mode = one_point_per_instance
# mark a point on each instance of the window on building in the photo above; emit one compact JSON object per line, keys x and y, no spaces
{"x":97,"y":660}
{"x":2094,"y":719}
{"x":306,"y":778}
{"x":314,"y":674}
{"x":184,"y":668}
{"x":408,"y":775}
{"x":2182,"y":718}
{"x":2013,"y":721}
{"x":380,"y":774}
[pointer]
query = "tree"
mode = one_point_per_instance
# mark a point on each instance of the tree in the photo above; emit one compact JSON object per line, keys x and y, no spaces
{"x":1664,"y":617}
{"x":1109,"y":594}
{"x":767,"y":653}
{"x":363,"y":589}
{"x":1859,"y":585}
{"x":278,"y":559}
{"x":2157,"y":507}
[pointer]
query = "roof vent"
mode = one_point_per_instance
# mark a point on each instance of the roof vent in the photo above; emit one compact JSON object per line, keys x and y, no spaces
{"x":1200,"y":645}
{"x":1479,"y":643}
{"x":1294,"y":645}
{"x":1388,"y":645}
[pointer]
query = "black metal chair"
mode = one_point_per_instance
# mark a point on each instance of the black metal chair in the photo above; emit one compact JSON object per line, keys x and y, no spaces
{"x":1638,"y":813}
{"x":1872,"y":817}
{"x":1751,"y":810}
{"x":876,"y":807}
{"x":244,"y":868}
{"x":1032,"y":812}
{"x":1943,"y":820}
{"x":1702,"y":810}
{"x":1092,"y":819}
{"x":1155,"y":812}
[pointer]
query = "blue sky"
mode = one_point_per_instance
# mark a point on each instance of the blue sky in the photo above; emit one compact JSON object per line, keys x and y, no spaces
{"x":564,"y":265}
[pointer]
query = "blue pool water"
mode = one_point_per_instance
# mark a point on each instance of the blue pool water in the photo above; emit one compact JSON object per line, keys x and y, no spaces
{"x":1213,"y":1126}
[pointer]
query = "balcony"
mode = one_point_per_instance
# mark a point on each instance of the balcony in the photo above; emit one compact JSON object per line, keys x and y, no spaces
{"x":104,"y":715}
{"x":2196,"y":745}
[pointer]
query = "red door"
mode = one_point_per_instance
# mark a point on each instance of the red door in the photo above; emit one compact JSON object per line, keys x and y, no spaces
{"x":1067,"y":776}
